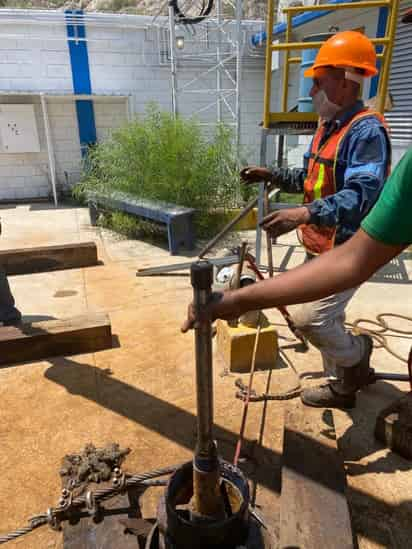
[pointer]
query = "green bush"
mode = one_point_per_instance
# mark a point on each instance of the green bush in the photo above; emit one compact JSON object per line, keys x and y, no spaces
{"x":162,"y":158}
{"x":132,"y":227}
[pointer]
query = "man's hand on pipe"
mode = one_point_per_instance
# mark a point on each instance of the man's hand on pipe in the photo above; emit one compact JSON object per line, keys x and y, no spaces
{"x":221,"y":305}
{"x":284,"y":221}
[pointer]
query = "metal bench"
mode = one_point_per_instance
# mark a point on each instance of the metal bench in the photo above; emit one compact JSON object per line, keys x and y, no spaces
{"x":179,"y":220}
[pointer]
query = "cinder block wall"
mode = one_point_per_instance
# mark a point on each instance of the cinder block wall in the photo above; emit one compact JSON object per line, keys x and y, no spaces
{"x":127,"y":58}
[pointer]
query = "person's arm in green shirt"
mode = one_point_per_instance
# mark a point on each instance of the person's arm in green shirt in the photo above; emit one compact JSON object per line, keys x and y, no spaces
{"x":344,"y":267}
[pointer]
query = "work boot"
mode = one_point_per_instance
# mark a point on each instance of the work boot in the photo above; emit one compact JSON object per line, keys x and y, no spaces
{"x":12,"y":318}
{"x":364,"y":369}
{"x":329,"y":395}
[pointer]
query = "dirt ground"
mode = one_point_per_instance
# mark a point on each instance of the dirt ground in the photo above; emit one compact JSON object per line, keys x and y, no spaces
{"x":141,"y":393}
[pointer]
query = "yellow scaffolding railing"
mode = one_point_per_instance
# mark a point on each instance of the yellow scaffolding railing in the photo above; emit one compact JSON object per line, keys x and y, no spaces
{"x":288,"y":46}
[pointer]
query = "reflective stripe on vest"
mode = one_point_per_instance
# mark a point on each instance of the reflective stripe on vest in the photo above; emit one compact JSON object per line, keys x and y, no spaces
{"x":317,"y":190}
{"x":321,"y":180}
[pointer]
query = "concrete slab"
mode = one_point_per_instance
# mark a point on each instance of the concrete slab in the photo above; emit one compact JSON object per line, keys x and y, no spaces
{"x":141,"y":394}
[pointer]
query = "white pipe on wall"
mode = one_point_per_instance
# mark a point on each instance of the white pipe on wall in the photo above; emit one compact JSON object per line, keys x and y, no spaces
{"x":50,"y":150}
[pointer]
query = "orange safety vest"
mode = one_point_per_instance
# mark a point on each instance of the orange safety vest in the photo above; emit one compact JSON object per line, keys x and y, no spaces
{"x":321,"y":180}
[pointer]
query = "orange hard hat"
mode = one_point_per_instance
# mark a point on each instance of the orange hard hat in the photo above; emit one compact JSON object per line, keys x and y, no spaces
{"x":346,"y":49}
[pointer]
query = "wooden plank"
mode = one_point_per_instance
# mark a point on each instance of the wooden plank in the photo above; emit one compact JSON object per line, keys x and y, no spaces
{"x":48,"y":258}
{"x":40,"y":340}
{"x":314,"y":511}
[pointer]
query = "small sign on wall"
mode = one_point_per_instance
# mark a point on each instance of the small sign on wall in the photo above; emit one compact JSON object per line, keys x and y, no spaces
{"x":18,"y":129}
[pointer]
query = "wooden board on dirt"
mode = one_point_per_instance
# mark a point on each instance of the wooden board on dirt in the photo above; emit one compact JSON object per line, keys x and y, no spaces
{"x":314,"y":510}
{"x":40,"y":340}
{"x":48,"y":258}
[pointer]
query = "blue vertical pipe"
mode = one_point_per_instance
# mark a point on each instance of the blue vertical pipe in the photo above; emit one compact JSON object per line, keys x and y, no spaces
{"x":79,"y":60}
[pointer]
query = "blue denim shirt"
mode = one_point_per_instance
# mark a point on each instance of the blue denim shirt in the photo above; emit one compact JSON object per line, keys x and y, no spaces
{"x":362,"y":166}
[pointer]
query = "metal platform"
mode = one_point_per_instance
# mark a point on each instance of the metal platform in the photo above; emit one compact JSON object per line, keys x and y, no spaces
{"x":292,"y":128}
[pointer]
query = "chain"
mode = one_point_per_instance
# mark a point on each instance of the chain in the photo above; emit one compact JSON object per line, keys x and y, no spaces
{"x":255,"y":397}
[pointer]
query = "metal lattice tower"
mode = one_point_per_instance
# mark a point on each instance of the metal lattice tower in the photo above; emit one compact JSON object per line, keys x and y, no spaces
{"x":213,"y":50}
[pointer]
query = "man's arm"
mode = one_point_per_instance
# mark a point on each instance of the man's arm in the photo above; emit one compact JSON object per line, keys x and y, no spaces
{"x":343,"y":267}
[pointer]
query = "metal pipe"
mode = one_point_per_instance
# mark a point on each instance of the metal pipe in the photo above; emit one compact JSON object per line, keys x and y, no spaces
{"x":269,"y":250}
{"x":201,"y":278}
{"x":227,"y":228}
{"x":50,"y":150}
{"x":268,"y":66}
{"x":285,"y":85}
{"x":219,"y":61}
{"x":172,"y":40}
{"x":390,"y":377}
{"x":239,"y":54}
{"x":206,"y":478}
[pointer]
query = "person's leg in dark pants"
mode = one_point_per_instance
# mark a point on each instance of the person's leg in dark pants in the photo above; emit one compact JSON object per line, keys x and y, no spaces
{"x":8,"y":312}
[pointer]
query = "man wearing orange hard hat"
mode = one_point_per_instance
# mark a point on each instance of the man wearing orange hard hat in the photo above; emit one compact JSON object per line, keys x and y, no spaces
{"x":344,"y":172}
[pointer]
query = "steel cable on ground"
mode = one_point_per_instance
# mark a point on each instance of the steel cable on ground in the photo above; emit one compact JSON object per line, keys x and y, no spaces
{"x":54,"y":515}
{"x":379,"y":334}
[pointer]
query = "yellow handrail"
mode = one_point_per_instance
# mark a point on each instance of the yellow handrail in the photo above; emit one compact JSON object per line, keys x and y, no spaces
{"x":268,"y":65}
{"x":386,"y":41}
{"x":387,"y":58}
{"x":311,"y":45}
{"x":286,"y":66}
{"x":342,"y":6}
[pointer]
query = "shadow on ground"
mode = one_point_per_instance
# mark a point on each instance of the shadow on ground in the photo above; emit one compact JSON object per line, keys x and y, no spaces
{"x":265,"y":467}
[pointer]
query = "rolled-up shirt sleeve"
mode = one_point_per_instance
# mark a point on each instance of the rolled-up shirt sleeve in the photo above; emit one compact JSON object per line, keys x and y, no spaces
{"x":367,"y":160}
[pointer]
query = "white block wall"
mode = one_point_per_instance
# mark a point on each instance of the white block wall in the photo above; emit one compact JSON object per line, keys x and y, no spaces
{"x":125,"y":58}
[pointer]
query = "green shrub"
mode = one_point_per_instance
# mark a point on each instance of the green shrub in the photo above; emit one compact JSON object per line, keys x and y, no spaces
{"x":131,"y":227}
{"x":162,"y":158}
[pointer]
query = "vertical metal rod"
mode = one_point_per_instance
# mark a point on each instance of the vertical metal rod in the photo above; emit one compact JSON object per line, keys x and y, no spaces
{"x":201,"y":273}
{"x":249,"y":390}
{"x":219,"y":61}
{"x":268,"y":237}
{"x":50,"y":150}
{"x":173,"y":65}
{"x":268,"y":65}
{"x":242,"y":254}
{"x":206,"y":487}
{"x":261,"y":196}
{"x":286,"y":56}
{"x":387,"y":59}
{"x":239,"y":53}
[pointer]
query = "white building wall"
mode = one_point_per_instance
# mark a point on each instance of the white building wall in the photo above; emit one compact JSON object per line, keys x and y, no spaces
{"x":126,"y":58}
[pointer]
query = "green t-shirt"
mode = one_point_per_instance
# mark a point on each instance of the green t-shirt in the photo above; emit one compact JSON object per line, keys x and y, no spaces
{"x":390,"y":220}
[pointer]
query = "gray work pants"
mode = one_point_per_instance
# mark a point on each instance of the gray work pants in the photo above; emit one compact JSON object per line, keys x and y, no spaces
{"x":8,"y":312}
{"x":322,"y":323}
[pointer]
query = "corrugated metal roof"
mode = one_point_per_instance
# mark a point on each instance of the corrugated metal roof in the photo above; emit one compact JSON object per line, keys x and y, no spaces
{"x":400,"y":83}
